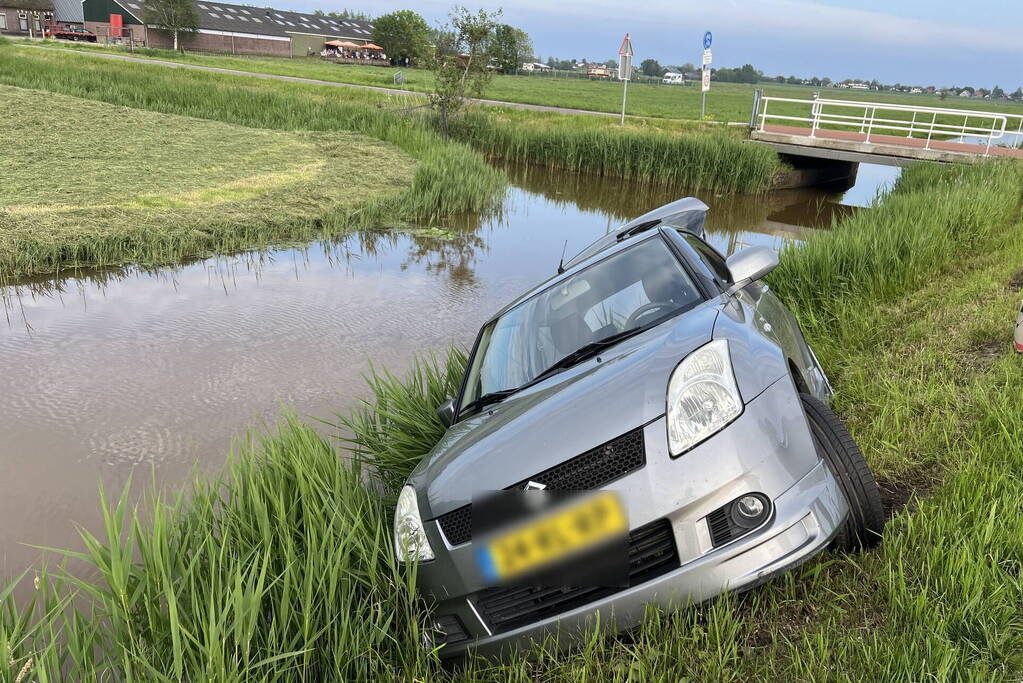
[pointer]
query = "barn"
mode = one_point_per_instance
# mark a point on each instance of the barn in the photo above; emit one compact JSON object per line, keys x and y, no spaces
{"x":229,"y":29}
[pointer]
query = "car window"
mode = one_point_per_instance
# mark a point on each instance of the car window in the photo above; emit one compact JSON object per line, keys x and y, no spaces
{"x":710,"y":257}
{"x":628,"y":289}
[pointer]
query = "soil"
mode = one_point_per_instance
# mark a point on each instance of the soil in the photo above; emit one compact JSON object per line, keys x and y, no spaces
{"x":1016,"y":282}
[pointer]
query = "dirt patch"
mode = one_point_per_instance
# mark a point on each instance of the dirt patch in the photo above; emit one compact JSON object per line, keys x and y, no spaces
{"x":1016,"y":282}
{"x":982,"y":356}
{"x":896,"y":494}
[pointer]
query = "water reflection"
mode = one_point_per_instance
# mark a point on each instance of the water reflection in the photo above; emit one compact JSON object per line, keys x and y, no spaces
{"x":114,"y":368}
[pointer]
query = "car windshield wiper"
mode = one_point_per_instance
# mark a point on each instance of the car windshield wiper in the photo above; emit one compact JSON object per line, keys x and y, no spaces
{"x":584,"y":352}
{"x":577,"y":356}
{"x":488,"y":399}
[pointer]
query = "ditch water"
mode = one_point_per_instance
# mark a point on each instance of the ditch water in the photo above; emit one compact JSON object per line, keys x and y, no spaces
{"x":142,"y":371}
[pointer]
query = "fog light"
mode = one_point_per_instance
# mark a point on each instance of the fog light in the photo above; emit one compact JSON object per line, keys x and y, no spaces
{"x":750,"y":511}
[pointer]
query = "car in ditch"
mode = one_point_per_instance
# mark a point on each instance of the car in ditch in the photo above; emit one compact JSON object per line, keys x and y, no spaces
{"x":671,"y":398}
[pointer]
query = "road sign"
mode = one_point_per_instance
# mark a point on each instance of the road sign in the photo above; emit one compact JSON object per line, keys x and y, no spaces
{"x":625,"y":70}
{"x":706,"y":57}
{"x":626,"y":49}
{"x":706,"y":80}
{"x":708,"y":38}
{"x":625,"y":60}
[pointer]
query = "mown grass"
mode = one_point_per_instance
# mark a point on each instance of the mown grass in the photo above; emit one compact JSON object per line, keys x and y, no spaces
{"x":282,"y":569}
{"x":725,"y":102}
{"x":448,"y":177}
{"x":140,"y":186}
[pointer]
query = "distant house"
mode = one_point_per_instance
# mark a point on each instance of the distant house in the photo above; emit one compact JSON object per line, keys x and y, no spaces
{"x":535,"y":67}
{"x":859,"y":86}
{"x":965,"y":93}
{"x":228,"y":28}
{"x":25,"y":17}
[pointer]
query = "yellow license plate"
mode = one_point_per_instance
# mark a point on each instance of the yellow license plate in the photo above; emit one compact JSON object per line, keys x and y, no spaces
{"x":558,"y":535}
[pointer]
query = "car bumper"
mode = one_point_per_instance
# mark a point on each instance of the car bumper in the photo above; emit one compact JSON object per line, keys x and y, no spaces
{"x":768,"y":450}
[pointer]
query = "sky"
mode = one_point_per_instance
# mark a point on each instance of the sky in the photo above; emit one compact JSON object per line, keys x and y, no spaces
{"x":918,"y":42}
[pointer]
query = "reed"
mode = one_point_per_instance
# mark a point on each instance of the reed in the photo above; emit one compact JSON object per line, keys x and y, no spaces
{"x":696,"y":161}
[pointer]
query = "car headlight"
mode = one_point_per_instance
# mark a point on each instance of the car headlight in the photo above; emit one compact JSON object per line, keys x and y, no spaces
{"x":410,"y":542}
{"x":702,"y":396}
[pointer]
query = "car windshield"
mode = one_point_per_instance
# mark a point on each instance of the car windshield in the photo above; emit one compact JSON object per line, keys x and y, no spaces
{"x":629,"y":290}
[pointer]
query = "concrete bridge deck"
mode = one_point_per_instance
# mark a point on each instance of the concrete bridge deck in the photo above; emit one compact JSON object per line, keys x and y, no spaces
{"x":891,"y":150}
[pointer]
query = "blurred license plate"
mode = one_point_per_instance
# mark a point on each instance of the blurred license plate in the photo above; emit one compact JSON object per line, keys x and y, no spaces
{"x":555,"y":536}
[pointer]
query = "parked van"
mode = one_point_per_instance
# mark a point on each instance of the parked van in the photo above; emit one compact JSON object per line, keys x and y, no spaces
{"x":672,"y":78}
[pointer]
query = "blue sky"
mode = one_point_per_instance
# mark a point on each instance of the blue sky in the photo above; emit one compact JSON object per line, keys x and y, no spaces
{"x":932,"y":42}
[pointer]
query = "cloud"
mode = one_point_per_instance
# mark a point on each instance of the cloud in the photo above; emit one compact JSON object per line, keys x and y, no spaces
{"x":794,"y":19}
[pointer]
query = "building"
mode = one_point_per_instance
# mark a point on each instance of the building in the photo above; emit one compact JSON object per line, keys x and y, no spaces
{"x":227,"y":28}
{"x":68,"y":12}
{"x":25,"y":17}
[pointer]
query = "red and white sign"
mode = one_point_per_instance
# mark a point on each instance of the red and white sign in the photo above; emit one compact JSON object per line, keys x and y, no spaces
{"x":706,"y":80}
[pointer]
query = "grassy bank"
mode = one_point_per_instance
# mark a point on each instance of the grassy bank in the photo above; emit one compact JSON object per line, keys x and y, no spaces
{"x":701,"y":160}
{"x":726,"y":101}
{"x":447,"y":178}
{"x":140,"y":186}
{"x":282,"y":569}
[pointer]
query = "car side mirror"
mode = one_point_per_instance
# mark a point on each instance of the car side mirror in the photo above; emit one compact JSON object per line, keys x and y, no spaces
{"x":749,"y":264}
{"x":446,"y":412}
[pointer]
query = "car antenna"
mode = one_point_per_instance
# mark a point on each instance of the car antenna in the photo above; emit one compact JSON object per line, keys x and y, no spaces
{"x":561,"y":263}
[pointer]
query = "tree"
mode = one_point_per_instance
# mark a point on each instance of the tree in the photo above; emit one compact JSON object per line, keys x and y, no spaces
{"x":1017,"y":94}
{"x":461,"y":60}
{"x":404,"y":35}
{"x":509,"y":47}
{"x":651,"y":67}
{"x":346,"y":14}
{"x":176,"y":16}
{"x":611,"y":64}
{"x":997,"y":93}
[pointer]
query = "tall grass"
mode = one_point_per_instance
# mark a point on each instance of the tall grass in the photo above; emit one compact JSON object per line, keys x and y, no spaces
{"x":702,"y":160}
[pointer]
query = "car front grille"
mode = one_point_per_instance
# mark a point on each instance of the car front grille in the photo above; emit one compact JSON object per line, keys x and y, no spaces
{"x":652,"y":553}
{"x":591,"y":470}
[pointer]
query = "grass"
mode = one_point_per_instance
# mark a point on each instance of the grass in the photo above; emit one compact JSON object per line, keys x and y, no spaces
{"x":447,"y":178}
{"x":725,"y":102}
{"x":138,"y":186}
{"x":282,"y":568}
{"x":699,"y":160}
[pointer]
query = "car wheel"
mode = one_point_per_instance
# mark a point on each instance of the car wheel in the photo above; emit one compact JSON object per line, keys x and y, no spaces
{"x":836,"y":446}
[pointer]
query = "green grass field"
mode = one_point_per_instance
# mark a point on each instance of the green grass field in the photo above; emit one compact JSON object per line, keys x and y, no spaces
{"x":449,"y":176}
{"x":282,"y":568}
{"x":138,"y":185}
{"x":725,"y":102}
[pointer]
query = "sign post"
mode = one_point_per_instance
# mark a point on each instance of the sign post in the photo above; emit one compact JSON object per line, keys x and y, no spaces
{"x":708,"y":38}
{"x":625,"y":71}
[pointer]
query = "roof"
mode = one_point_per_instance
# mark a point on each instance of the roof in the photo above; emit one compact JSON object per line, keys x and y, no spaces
{"x":30,"y":5}
{"x":220,"y":16}
{"x":687,"y":214}
{"x":68,"y":11}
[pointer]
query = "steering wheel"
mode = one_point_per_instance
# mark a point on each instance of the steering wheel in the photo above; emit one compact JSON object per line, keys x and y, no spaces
{"x":645,"y":309}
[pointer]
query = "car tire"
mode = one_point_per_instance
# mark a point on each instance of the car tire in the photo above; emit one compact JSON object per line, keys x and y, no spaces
{"x":865,"y":524}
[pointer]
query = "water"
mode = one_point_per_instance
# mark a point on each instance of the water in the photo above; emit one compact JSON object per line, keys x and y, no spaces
{"x":159,"y":371}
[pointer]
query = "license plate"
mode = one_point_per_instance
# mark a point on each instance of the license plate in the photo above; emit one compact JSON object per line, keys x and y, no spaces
{"x":554,"y":537}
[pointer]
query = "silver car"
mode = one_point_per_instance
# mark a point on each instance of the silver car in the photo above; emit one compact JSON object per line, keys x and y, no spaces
{"x":672,"y":393}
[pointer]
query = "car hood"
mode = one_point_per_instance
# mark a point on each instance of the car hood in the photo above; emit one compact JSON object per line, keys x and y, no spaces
{"x":568,"y":414}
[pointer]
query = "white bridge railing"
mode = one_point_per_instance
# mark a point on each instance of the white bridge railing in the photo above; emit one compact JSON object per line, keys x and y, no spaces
{"x":874,"y":118}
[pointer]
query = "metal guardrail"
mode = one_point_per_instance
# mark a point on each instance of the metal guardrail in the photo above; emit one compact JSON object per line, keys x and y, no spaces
{"x":984,"y":127}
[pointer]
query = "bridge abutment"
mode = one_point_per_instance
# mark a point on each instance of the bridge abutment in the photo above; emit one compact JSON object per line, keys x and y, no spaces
{"x":806,"y":171}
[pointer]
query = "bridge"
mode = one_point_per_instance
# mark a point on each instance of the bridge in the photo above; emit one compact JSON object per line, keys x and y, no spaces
{"x":847,"y":132}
